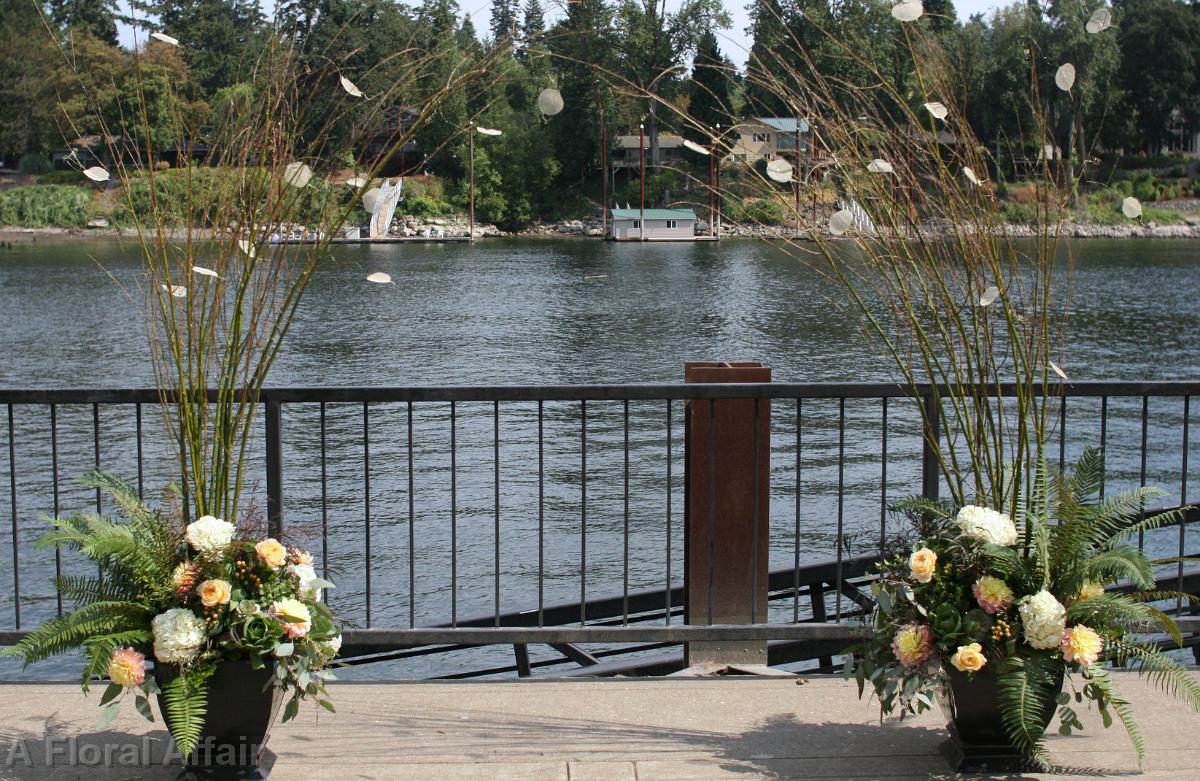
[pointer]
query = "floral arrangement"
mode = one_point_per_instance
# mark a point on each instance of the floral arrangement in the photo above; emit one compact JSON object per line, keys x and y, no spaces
{"x":1025,"y":601}
{"x":186,"y":599}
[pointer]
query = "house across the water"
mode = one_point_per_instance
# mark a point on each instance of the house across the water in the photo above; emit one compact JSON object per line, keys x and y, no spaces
{"x":660,"y":225}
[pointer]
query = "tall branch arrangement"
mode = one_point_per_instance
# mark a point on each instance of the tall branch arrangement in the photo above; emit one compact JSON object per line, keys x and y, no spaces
{"x":223,"y":290}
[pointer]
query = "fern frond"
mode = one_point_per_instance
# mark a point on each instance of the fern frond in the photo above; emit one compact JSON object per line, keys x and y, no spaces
{"x":1027,"y":689}
{"x":186,"y":700}
{"x":1113,"y":609}
{"x":60,"y":635}
{"x":1165,"y":518}
{"x":1088,"y":475}
{"x":85,"y":590}
{"x":1121,"y":562}
{"x":1104,"y":683}
{"x":1166,"y":673}
{"x":1115,"y":515}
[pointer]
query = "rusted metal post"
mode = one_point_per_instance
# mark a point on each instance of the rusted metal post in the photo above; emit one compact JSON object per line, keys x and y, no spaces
{"x":471,"y":235}
{"x":642,"y":166}
{"x":727,"y":455}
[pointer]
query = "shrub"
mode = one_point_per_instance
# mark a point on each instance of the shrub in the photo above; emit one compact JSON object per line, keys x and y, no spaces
{"x":62,"y":176}
{"x":760,"y":211}
{"x":34,"y":163}
{"x":424,"y":206}
{"x":46,"y":206}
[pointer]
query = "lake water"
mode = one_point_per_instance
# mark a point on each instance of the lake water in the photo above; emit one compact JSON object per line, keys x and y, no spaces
{"x":541,"y":312}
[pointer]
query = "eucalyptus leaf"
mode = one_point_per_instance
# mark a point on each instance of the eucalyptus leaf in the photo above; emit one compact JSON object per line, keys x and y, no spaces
{"x":111,"y":693}
{"x":108,"y":714}
{"x":143,"y":707}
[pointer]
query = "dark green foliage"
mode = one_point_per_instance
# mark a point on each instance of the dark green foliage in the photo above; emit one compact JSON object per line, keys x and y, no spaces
{"x":1028,"y":685}
{"x":709,"y":91}
{"x":95,"y":17}
{"x":186,"y":698}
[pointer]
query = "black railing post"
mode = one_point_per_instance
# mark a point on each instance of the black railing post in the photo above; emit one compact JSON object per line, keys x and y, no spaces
{"x":931,"y":470}
{"x":274,"y":445}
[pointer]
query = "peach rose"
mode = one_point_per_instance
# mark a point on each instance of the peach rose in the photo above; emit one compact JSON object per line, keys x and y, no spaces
{"x":1081,"y":644}
{"x":127,"y":667}
{"x":921,"y":563}
{"x":913,"y":644}
{"x":992,"y":594}
{"x":969,"y":658}
{"x":214,"y":592}
{"x":272,"y":553}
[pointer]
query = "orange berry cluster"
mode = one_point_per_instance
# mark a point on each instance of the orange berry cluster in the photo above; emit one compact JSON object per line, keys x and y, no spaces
{"x":212,"y":615}
{"x":1001,"y":630}
{"x":247,"y":575}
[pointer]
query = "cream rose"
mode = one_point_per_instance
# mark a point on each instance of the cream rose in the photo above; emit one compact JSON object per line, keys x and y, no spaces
{"x":986,"y":525}
{"x":294,"y":616}
{"x":214,"y":592}
{"x":272,"y":552}
{"x":209,"y":535}
{"x":921,"y":564}
{"x":969,"y":658}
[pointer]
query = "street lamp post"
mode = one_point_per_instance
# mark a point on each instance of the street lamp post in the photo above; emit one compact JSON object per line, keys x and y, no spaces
{"x":471,"y":210}
{"x":487,"y":131}
{"x":642,"y":165}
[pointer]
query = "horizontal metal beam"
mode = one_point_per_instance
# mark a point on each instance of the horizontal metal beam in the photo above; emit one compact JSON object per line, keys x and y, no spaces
{"x":634,"y":392}
{"x":683,"y":633}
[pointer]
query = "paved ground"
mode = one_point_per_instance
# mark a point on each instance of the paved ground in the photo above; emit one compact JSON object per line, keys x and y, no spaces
{"x":732,"y":729}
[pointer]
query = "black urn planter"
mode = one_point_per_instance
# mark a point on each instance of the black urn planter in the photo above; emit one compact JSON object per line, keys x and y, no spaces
{"x":241,"y":708}
{"x":978,"y":742}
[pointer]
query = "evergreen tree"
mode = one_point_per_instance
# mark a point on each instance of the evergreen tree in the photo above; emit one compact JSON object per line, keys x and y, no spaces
{"x":220,"y":37}
{"x":709,"y":89}
{"x":98,"y":18}
{"x":533,"y":28}
{"x":466,"y":37}
{"x":767,"y":61}
{"x":504,"y":19}
{"x":1161,"y":66}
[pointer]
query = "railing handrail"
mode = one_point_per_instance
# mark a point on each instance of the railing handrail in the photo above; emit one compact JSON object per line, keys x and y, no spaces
{"x":601,"y":392}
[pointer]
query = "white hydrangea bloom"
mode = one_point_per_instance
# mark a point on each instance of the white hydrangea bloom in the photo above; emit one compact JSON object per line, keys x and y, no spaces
{"x":1044,"y":619}
{"x":986,"y":525}
{"x":334,"y":644}
{"x":209,"y":535}
{"x":307,"y":575}
{"x":178,"y":635}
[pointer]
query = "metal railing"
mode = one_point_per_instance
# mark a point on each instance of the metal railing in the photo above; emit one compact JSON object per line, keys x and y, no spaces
{"x":495,"y":514}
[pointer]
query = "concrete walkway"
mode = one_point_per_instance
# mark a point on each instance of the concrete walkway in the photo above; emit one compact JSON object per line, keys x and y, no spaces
{"x":733,"y":729}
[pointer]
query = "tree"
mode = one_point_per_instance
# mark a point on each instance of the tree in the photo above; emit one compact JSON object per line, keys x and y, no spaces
{"x":1096,"y":59}
{"x":766,"y":63}
{"x":27,"y":54}
{"x":533,"y":27}
{"x":97,"y":18}
{"x":220,"y":37}
{"x":653,"y":43}
{"x":1161,"y":66}
{"x":504,"y":19}
{"x":582,"y":45}
{"x":709,"y":99}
